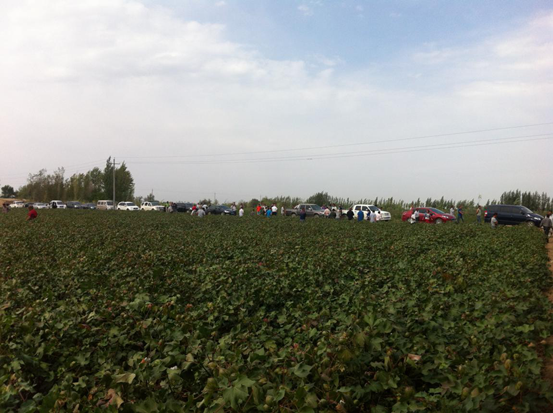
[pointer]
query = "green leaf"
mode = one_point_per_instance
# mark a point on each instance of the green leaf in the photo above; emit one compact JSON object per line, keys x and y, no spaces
{"x":147,"y":406}
{"x":124,"y":378}
{"x":235,"y":396}
{"x":301,"y":370}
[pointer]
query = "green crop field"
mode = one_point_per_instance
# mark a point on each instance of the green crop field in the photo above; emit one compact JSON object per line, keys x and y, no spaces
{"x":153,"y":312}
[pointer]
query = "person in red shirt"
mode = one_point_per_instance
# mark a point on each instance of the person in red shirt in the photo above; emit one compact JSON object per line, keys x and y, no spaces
{"x":32,"y":214}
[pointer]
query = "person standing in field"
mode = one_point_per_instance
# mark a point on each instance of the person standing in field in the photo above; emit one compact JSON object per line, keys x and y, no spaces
{"x":269,"y":212}
{"x":274,"y":210}
{"x":201,"y":212}
{"x":452,"y":210}
{"x":360,"y":216}
{"x":5,"y":208}
{"x":415,"y":216}
{"x":546,"y":224}
{"x":494,"y":222}
{"x":282,"y":211}
{"x":303,"y":215}
{"x":460,"y":217}
{"x":258,"y":209}
{"x":241,"y":211}
{"x":478,"y":214}
{"x":32,"y":214}
{"x":339,"y":212}
{"x":427,"y":216}
{"x":327,"y":212}
{"x":349,"y":214}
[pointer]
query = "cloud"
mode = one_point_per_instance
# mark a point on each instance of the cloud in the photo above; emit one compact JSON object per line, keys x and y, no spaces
{"x":220,"y":4}
{"x":305,"y":10}
{"x":85,"y":80}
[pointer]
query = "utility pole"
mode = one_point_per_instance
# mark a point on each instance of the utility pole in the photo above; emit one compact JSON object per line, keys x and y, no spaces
{"x":114,"y":182}
{"x":214,"y":198}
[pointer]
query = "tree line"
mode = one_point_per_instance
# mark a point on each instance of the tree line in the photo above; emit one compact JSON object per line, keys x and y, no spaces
{"x":98,"y":184}
{"x":87,"y":187}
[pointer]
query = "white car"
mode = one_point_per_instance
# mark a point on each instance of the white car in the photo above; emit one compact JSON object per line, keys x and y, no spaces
{"x":41,"y":205}
{"x":127,"y":206}
{"x":17,"y":204}
{"x":57,"y":204}
{"x":384,"y":215}
{"x":151,"y":206}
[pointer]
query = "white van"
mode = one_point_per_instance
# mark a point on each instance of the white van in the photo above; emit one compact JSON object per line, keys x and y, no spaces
{"x":106,"y":205}
{"x":57,"y":204}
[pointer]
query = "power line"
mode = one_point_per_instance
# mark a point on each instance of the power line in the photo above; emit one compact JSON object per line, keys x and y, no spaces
{"x":385,"y":151}
{"x":344,"y":144}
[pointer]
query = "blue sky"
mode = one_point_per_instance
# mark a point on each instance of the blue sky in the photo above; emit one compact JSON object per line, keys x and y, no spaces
{"x":360,"y":32}
{"x":166,"y":85}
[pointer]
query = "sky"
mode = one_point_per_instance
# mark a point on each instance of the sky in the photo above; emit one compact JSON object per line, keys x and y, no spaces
{"x":246,"y":98}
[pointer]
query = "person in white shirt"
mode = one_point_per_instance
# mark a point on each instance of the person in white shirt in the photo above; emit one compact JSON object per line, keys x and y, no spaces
{"x":282,"y":210}
{"x":327,"y":212}
{"x":241,"y":211}
{"x":494,"y":222}
{"x":373,"y":216}
{"x":201,"y":212}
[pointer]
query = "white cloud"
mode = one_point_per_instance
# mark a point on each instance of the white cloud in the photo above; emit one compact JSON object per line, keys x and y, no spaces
{"x":305,"y":10}
{"x":85,"y":80}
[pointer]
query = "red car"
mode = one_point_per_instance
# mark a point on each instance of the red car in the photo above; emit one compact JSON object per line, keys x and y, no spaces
{"x":429,"y":215}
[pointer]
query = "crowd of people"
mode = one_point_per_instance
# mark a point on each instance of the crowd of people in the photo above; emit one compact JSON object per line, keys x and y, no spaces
{"x":330,"y":212}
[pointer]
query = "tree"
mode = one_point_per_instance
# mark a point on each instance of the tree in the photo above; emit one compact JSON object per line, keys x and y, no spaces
{"x":8,"y":191}
{"x":150,"y":198}
{"x":320,"y":198}
{"x":124,"y":182}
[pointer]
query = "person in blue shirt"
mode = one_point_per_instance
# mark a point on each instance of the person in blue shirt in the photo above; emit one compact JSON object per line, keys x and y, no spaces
{"x":303,"y":214}
{"x":360,"y":216}
{"x":269,"y":212}
{"x":460,"y":217}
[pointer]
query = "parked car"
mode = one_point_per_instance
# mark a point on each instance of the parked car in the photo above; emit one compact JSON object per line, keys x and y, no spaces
{"x":152,"y":206}
{"x":28,"y":204}
{"x":105,"y":205}
{"x":73,"y":205}
{"x":89,"y":205}
{"x":55,"y":204}
{"x":127,"y":206}
{"x":384,"y":215}
{"x":435,"y":216}
{"x":512,"y":215}
{"x":219,"y":210}
{"x":311,"y":210}
{"x":184,"y":206}
{"x":17,"y":204}
{"x":41,"y":205}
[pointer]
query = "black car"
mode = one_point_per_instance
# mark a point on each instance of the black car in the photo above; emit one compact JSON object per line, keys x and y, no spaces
{"x":219,"y":210}
{"x":73,"y":205}
{"x":184,"y":206}
{"x":512,"y":215}
{"x":88,"y":206}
